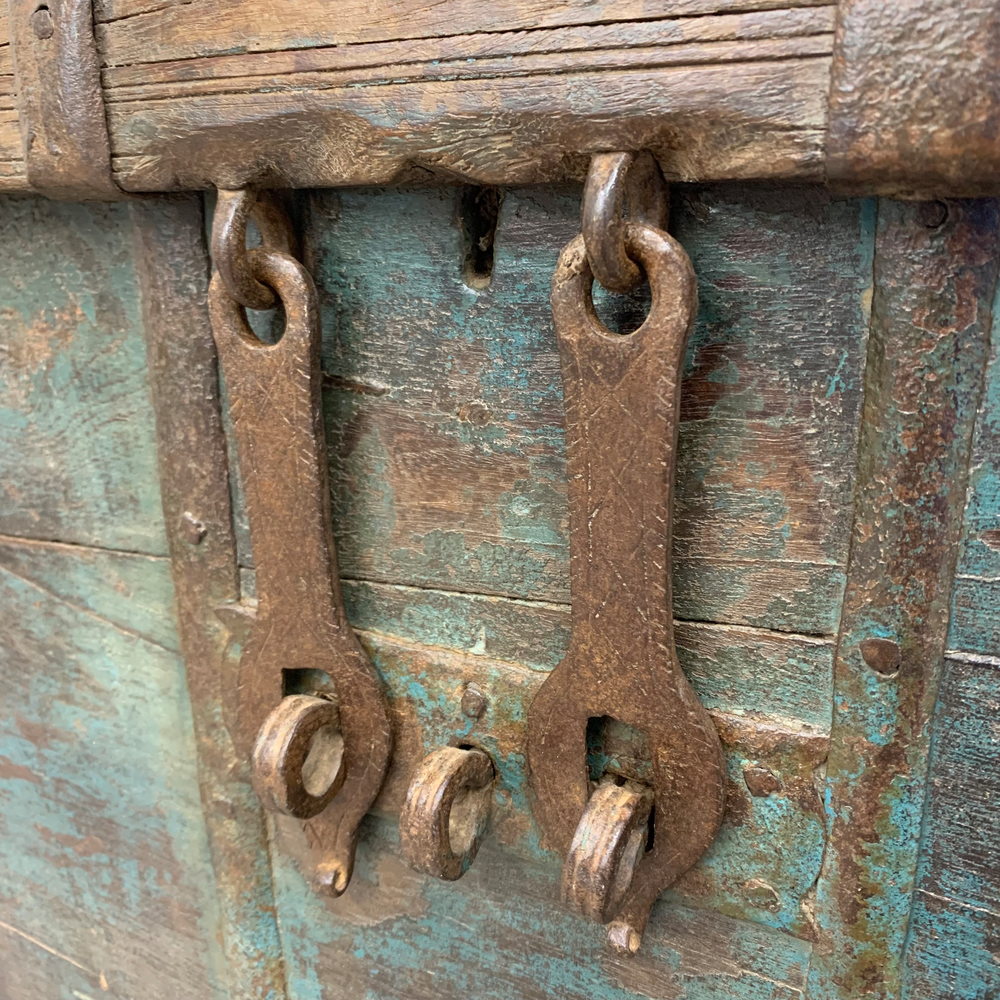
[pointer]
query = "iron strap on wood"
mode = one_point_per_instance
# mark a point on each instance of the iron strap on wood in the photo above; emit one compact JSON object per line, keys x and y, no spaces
{"x":319,"y":754}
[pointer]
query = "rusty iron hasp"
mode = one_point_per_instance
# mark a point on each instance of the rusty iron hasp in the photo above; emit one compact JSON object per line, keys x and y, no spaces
{"x":622,"y":404}
{"x":320,"y":761}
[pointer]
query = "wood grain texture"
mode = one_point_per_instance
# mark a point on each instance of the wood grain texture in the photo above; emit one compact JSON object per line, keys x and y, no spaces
{"x":955,"y":924}
{"x":975,"y":623}
{"x":105,"y":882}
{"x":515,"y":94}
{"x":935,"y":278}
{"x":499,"y":935}
{"x":954,"y":936}
{"x":431,"y":384}
{"x":77,"y":454}
{"x":13,"y":176}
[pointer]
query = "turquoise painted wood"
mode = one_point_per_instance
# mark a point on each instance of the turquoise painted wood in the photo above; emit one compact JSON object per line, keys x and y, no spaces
{"x":106,"y":888}
{"x":445,"y":431}
{"x":955,"y":931}
{"x":444,"y":423}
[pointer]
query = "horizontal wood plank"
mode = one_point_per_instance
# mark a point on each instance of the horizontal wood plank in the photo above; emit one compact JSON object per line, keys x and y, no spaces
{"x":718,"y":90}
{"x":733,"y":668}
{"x":500,"y":933}
{"x":144,"y":31}
{"x":77,"y":455}
{"x":106,"y":886}
{"x":491,"y":131}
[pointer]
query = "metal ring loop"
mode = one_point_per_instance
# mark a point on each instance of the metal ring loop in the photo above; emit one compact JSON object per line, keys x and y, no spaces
{"x":233,"y":211}
{"x":298,"y":759}
{"x":667,"y":268}
{"x":291,"y":283}
{"x":607,"y":847}
{"x":620,"y":188}
{"x":446,"y":811}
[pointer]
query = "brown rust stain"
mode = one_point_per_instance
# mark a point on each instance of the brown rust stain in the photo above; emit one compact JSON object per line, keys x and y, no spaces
{"x":925,"y":363}
{"x":10,"y":770}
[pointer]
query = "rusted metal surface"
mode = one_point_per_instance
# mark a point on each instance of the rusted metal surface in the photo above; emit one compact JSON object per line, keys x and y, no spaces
{"x":298,"y":758}
{"x":64,"y":132}
{"x":930,"y":324}
{"x":622,"y":403}
{"x":915,"y":98}
{"x":274,"y":394}
{"x":173,"y":270}
{"x":620,"y":187}
{"x":233,"y":212}
{"x":608,"y":845}
{"x":446,"y":811}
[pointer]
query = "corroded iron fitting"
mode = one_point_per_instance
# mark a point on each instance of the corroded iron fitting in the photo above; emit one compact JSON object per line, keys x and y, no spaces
{"x":623,"y":841}
{"x":316,"y":758}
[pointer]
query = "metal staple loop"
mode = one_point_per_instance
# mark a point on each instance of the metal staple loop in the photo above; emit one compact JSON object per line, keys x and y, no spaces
{"x":620,"y":188}
{"x":233,"y":211}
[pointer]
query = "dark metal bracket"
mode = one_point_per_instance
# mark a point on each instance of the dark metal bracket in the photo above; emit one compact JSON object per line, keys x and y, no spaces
{"x":67,"y":150}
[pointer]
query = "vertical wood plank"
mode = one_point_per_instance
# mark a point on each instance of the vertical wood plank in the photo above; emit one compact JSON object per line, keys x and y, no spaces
{"x":173,"y":274}
{"x":954,"y":939}
{"x":935,"y":275}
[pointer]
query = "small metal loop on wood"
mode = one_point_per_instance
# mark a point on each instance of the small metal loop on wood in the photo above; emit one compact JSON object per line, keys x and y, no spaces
{"x":609,"y":842}
{"x":298,"y":759}
{"x":233,"y":211}
{"x":285,"y":279}
{"x":621,"y":188}
{"x":446,"y":811}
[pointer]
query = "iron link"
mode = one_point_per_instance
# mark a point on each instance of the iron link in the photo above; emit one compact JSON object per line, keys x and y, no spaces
{"x":233,"y":211}
{"x":620,"y":188}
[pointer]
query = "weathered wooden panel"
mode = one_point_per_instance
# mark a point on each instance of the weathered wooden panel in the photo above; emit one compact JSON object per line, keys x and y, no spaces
{"x":954,"y":943}
{"x":954,"y":947}
{"x":106,"y":885}
{"x":445,"y":428}
{"x":12,"y":172}
{"x":975,"y":625}
{"x":77,"y":455}
{"x":502,"y":935}
{"x":734,"y":668}
{"x":935,"y":274}
{"x":156,"y":31}
{"x":510,"y":93}
{"x":105,"y":882}
{"x":445,"y":409}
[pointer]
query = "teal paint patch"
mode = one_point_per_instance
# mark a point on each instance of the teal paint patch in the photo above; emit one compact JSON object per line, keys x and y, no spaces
{"x":132,"y":593}
{"x":738,"y":670}
{"x":405,"y":935}
{"x":77,"y":451}
{"x":102,"y":827}
{"x":455,"y":397}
